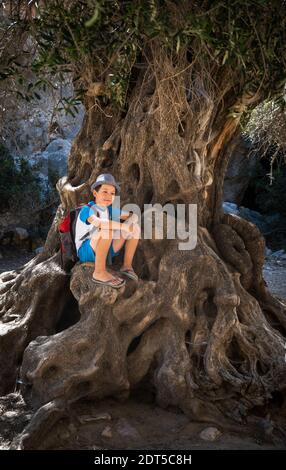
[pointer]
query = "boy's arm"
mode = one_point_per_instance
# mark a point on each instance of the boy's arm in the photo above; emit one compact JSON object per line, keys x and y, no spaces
{"x":107,"y":224}
{"x":90,"y":217}
{"x":126,"y":215}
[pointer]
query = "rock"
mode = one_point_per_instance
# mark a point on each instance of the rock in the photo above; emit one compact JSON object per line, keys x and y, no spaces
{"x":29,"y":127}
{"x":254,"y":217}
{"x":9,"y":220}
{"x":1,"y":256}
{"x":57,"y":145}
{"x":125,"y":429}
{"x":89,"y":418}
{"x":230,"y":208}
{"x":37,"y":243}
{"x":210,"y":434}
{"x":246,"y":213}
{"x":283,"y":256}
{"x":239,"y":172}
{"x":268,"y":252}
{"x":21,"y":233}
{"x":107,"y":432}
{"x":52,"y":161}
{"x":278,"y":254}
{"x":11,"y":414}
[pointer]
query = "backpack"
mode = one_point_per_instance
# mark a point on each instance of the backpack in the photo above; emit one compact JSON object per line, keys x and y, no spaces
{"x":67,"y":237}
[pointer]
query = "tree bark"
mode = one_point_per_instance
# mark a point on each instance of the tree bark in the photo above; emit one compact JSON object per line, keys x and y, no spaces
{"x":200,"y":325}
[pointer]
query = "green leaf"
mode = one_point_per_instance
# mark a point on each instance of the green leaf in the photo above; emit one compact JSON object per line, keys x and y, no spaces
{"x":69,"y":111}
{"x":178,"y":44}
{"x":225,"y":57}
{"x":93,"y":19}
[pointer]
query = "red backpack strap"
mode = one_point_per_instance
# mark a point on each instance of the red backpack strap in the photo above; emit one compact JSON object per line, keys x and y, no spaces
{"x":64,"y":226}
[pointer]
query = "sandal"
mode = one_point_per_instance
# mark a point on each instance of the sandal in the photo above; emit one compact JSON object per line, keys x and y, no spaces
{"x":115,"y":282}
{"x":130,"y":273}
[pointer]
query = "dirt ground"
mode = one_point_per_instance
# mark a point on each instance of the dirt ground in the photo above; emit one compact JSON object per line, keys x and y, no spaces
{"x":11,"y":258}
{"x":134,"y":424}
{"x":275,"y":275}
{"x":138,"y":423}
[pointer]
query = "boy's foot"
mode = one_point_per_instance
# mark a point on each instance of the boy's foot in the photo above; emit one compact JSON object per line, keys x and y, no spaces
{"x":129,"y":272}
{"x":107,"y":280}
{"x":113,"y":282}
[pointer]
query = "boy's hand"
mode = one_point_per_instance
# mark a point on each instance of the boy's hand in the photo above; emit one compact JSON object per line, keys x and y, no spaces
{"x":133,"y":218}
{"x":131,"y":229}
{"x":135,"y":230}
{"x":127,"y":227}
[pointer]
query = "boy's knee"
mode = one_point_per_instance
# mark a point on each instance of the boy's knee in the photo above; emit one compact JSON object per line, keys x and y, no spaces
{"x":106,"y":234}
{"x":137,"y":230}
{"x":101,"y":235}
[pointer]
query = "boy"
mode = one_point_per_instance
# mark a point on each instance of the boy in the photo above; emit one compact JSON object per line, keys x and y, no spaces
{"x":95,"y":232}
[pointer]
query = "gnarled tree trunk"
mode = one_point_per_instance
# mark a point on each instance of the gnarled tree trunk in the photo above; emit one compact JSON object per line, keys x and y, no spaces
{"x":200,"y":325}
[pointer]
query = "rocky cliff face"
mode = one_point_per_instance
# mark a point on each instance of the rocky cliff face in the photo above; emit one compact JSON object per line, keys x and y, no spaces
{"x":43,"y":134}
{"x":40,"y":132}
{"x":239,"y":172}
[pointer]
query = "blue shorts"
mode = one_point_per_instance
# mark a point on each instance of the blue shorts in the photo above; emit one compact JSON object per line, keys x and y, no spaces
{"x":86,"y":253}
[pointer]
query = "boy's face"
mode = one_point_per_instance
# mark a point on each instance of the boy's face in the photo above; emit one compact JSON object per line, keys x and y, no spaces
{"x":104,"y":195}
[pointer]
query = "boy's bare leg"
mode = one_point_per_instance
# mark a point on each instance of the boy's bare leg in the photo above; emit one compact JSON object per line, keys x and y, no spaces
{"x":100,"y":246}
{"x":130,"y":249}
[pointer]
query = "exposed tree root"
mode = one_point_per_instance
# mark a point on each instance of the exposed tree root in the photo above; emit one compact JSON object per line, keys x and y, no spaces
{"x":242,"y":245}
{"x":32,"y":300}
{"x":34,"y":435}
{"x":199,"y":325}
{"x":199,"y":335}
